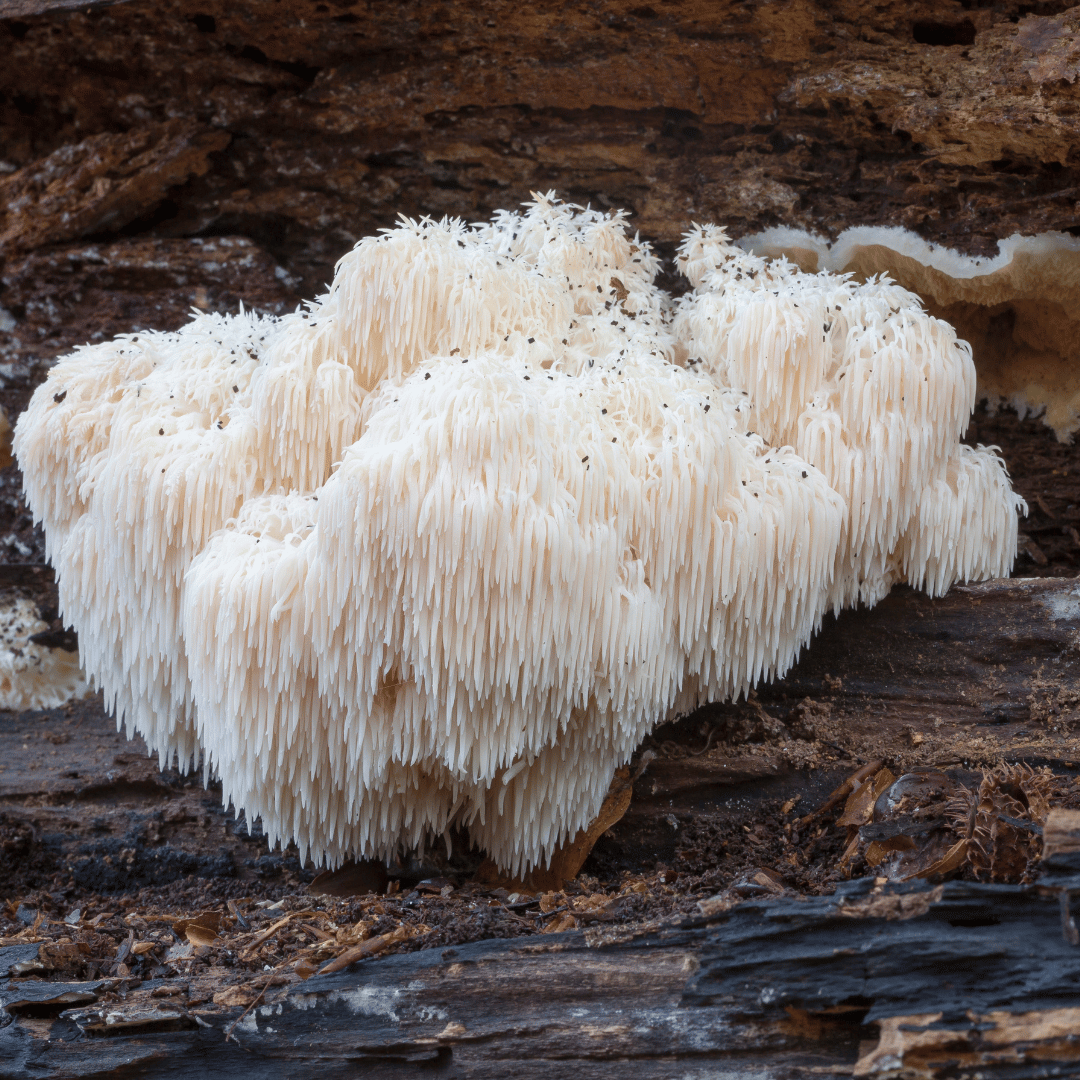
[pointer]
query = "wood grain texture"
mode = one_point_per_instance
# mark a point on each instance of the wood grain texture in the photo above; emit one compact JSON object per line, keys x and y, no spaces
{"x":781,"y":988}
{"x":955,"y":120}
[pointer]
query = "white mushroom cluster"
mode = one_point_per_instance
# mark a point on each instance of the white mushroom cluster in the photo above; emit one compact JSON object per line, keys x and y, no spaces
{"x":442,"y":548}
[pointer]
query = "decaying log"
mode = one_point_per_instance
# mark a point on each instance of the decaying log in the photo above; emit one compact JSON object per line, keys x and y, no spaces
{"x":985,"y":674}
{"x":958,"y":974}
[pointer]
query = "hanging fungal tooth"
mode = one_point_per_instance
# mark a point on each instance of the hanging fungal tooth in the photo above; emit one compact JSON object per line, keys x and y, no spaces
{"x":383,"y":597}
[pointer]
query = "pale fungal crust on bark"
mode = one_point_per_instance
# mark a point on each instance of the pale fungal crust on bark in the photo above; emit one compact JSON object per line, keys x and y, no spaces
{"x":445,"y":546}
{"x":34,"y":676}
{"x":1017,"y":309}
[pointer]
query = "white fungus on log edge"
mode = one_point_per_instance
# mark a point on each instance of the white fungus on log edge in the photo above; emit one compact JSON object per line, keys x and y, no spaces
{"x":442,"y":548}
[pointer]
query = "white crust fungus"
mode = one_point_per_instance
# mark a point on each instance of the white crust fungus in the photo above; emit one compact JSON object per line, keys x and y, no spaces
{"x":444,"y":547}
{"x":1018,"y":309}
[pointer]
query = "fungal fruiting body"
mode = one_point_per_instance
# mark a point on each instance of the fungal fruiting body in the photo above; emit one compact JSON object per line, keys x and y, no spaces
{"x":34,"y":676}
{"x":442,"y":548}
{"x":1017,"y":308}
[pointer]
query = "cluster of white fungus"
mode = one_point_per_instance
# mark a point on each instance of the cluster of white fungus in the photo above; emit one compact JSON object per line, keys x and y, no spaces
{"x":34,"y":676}
{"x":442,"y":548}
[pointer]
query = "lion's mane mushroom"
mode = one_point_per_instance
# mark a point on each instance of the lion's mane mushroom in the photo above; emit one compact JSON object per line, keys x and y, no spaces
{"x":872,"y":391}
{"x":445,"y":546}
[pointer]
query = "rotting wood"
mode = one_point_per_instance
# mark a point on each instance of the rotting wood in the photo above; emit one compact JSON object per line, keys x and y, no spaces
{"x":797,"y":983}
{"x":985,"y":673}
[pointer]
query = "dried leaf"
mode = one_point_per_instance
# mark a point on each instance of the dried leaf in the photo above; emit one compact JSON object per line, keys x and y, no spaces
{"x":207,"y":920}
{"x":859,"y":807}
{"x":853,"y":781}
{"x":952,"y":860}
{"x":200,"y":935}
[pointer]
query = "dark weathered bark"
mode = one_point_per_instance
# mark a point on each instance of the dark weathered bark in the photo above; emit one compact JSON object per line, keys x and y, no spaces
{"x":781,"y":985}
{"x":987,"y":673}
{"x":960,"y":974}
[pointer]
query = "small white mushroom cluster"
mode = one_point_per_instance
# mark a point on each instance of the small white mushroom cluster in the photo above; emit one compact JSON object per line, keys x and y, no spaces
{"x":442,"y":548}
{"x":34,"y":676}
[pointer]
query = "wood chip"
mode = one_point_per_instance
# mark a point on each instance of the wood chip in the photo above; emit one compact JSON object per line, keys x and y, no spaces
{"x":859,"y":807}
{"x":842,"y":792}
{"x":371,"y":947}
{"x":201,"y":935}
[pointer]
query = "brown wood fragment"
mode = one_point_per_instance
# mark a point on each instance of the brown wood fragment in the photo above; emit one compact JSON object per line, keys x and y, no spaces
{"x":927,"y":1045}
{"x":371,"y":947}
{"x":1061,"y":833}
{"x":568,"y":859}
{"x":842,"y":792}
